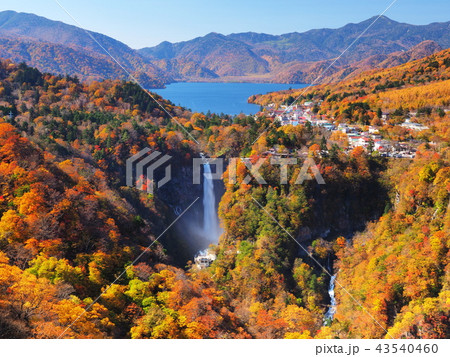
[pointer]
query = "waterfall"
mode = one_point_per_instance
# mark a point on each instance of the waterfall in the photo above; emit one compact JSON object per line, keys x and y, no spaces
{"x":211,"y":228}
{"x":332,"y":309}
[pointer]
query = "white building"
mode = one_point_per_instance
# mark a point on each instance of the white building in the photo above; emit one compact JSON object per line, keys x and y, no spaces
{"x":204,"y":259}
{"x":414,"y":126}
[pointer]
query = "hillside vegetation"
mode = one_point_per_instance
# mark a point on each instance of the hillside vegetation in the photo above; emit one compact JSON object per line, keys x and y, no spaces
{"x":70,"y":228}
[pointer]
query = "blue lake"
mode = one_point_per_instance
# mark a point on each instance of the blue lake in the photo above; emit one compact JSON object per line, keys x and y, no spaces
{"x":227,"y":98}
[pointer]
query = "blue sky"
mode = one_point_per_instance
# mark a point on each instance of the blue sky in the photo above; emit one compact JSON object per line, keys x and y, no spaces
{"x":141,"y":23}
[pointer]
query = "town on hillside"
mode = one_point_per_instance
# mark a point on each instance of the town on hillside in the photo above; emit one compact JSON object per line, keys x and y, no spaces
{"x":367,"y":136}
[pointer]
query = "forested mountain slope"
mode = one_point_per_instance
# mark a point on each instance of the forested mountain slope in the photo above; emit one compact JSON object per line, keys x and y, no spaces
{"x":69,"y":226}
{"x":56,"y":47}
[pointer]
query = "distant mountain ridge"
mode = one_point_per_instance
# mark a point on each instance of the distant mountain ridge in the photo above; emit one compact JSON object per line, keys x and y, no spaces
{"x":71,"y":49}
{"x":273,"y":57}
{"x":307,"y":72}
{"x":56,"y":47}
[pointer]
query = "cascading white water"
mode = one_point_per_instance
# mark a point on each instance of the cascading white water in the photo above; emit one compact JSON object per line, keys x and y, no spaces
{"x":211,"y":228}
{"x":332,"y":309}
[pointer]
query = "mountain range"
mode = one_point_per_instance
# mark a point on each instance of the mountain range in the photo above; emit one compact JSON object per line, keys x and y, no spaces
{"x":56,"y":47}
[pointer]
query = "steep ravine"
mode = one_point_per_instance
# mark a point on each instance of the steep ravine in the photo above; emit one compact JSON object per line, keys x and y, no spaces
{"x":187,"y":236}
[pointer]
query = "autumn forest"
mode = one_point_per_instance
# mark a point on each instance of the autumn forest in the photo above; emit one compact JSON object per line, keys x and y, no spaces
{"x":70,"y":227}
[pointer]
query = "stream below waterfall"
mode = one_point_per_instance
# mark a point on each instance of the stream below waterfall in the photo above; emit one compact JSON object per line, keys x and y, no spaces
{"x":329,"y":315}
